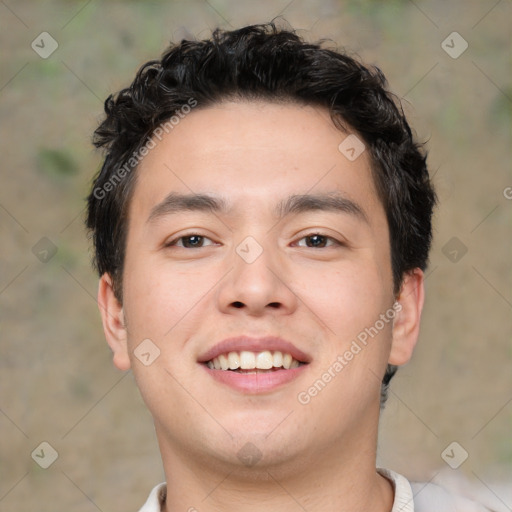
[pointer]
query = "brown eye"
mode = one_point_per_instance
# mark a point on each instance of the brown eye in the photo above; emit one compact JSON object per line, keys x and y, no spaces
{"x":317,"y":241}
{"x":192,"y":241}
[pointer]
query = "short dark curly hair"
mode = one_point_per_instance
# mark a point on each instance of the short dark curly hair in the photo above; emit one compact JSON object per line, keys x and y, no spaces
{"x":263,"y":62}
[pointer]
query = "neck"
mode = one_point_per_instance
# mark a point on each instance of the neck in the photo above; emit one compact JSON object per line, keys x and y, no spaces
{"x":336,"y":478}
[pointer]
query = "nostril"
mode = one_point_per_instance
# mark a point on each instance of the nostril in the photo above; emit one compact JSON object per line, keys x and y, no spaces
{"x":238,"y":304}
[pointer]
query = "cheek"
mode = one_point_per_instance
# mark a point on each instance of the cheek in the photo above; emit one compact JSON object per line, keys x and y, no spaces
{"x":147,"y":308}
{"x":346,"y":300}
{"x":157,"y":297}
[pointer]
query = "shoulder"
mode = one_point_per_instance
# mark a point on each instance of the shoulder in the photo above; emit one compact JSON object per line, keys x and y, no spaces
{"x":428,"y":497}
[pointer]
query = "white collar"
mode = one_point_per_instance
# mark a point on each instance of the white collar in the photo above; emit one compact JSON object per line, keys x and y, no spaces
{"x":404,"y":500}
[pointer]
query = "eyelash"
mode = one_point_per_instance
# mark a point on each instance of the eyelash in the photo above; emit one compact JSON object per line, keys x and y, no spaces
{"x":173,"y":243}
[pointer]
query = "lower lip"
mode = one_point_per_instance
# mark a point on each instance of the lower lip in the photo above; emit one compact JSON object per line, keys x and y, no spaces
{"x":255,"y":382}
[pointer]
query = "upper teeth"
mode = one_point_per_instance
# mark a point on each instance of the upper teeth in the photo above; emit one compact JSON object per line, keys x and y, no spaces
{"x":253,"y":360}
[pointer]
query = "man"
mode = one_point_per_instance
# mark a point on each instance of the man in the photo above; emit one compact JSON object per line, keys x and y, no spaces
{"x":262,"y":222}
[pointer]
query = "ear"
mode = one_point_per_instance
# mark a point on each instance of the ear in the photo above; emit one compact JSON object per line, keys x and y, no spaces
{"x":406,"y":323}
{"x":112,"y":315}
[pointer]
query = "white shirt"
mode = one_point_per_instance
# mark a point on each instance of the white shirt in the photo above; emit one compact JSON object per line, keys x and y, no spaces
{"x":416,"y":497}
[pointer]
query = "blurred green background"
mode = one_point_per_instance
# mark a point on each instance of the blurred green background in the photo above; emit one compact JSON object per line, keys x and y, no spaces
{"x":58,"y":383}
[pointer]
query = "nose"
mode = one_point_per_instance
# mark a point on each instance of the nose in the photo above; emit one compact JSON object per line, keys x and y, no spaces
{"x":258,"y":282}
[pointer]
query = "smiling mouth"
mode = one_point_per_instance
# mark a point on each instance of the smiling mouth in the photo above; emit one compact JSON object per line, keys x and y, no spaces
{"x":254,"y":362}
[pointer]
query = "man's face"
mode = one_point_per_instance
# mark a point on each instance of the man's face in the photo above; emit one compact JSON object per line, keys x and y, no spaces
{"x":270,"y":271}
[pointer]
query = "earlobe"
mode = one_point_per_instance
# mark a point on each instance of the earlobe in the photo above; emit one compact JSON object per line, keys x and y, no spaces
{"x":112,"y":316}
{"x":406,"y":324}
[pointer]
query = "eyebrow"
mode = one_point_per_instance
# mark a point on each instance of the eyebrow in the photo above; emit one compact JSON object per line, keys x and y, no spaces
{"x":297,"y":203}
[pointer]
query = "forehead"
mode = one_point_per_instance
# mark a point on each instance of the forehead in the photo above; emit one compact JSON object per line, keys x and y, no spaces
{"x":252,"y":152}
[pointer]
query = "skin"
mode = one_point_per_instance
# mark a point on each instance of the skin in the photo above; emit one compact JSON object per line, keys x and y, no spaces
{"x":319,"y":456}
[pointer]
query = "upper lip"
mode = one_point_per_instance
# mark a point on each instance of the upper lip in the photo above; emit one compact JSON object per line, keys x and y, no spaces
{"x":252,"y":344}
